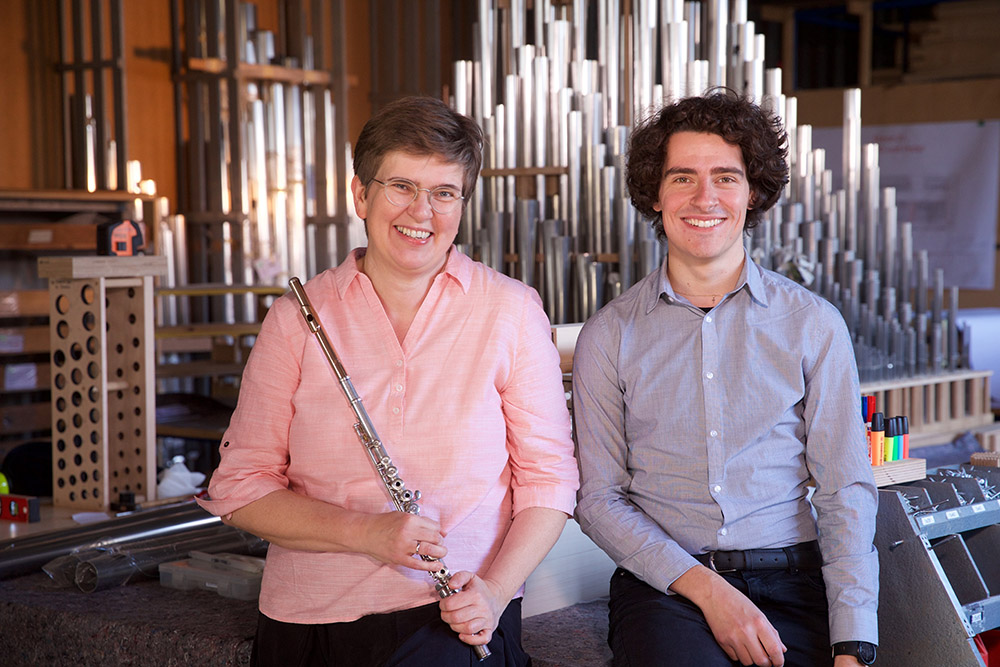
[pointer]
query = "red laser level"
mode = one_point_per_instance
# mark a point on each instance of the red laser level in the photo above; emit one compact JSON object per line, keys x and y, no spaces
{"x":24,"y":509}
{"x":121,"y":237}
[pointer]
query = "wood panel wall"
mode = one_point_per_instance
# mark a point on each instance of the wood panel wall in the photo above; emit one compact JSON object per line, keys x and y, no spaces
{"x":31,"y":124}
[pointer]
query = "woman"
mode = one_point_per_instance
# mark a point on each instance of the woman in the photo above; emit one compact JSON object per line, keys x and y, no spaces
{"x":455,"y":366}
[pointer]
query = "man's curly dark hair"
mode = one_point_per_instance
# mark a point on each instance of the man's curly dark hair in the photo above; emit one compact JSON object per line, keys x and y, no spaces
{"x":757,"y":132}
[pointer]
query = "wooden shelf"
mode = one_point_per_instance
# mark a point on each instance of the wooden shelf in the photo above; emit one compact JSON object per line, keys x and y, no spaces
{"x":197,"y":369}
{"x":208,"y":330}
{"x":24,"y":303}
{"x":260,"y":72}
{"x":48,"y":236}
{"x":215,"y":289}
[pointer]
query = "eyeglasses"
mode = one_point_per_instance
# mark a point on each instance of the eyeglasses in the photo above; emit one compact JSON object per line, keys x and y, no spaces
{"x":400,"y":192}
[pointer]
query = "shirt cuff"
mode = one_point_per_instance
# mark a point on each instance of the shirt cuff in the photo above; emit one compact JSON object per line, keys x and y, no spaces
{"x":853,"y":625}
{"x":241,"y":497}
{"x":562,"y":497}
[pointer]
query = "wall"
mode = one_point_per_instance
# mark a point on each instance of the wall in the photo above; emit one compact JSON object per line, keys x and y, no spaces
{"x":970,"y":99}
{"x":31,"y":144}
{"x":26,"y":115}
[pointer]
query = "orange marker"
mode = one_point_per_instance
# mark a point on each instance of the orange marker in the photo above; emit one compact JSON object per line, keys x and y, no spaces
{"x":877,"y":439}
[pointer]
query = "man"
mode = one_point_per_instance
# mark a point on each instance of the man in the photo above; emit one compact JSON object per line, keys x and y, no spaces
{"x":705,"y":400}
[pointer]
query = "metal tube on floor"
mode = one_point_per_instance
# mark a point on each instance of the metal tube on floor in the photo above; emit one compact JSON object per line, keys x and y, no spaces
{"x":103,"y":568}
{"x":24,"y":555}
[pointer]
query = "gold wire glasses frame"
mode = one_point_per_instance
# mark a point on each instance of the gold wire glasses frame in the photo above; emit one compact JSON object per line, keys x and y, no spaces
{"x":400,"y":192}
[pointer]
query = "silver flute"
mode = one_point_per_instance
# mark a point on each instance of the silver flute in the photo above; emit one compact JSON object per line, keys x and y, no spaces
{"x":402,"y":498}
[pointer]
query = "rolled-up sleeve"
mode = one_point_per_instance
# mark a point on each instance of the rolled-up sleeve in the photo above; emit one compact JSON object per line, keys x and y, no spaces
{"x":254,"y":448}
{"x":543,"y":468}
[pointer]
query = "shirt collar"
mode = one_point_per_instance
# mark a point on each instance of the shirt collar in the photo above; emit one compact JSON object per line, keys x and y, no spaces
{"x":457,"y":267}
{"x":750,"y":277}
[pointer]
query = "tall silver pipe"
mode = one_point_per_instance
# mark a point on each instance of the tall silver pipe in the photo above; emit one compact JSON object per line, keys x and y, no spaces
{"x":486,"y":28}
{"x":868,"y":209}
{"x":852,"y":164}
{"x":526,"y":229}
{"x":295,"y":173}
{"x":718,"y":20}
{"x":574,"y":206}
{"x":905,"y":268}
{"x":890,"y":247}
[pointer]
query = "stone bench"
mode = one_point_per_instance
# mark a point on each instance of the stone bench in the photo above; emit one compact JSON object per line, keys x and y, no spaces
{"x":144,"y":623}
{"x":575,"y":636}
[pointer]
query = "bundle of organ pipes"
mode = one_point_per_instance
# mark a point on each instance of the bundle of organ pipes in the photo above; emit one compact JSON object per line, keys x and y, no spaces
{"x":557,"y":106}
{"x":24,"y":555}
{"x":96,"y":568}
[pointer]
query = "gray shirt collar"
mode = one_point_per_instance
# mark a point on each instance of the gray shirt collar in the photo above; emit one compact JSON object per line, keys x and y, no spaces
{"x":750,"y":278}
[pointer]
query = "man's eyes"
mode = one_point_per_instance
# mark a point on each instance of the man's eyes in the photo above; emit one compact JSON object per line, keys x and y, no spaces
{"x":685,"y":180}
{"x":445,"y":195}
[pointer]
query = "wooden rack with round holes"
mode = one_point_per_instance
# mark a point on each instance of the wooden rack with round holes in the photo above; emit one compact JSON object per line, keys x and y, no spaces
{"x":103,"y":398}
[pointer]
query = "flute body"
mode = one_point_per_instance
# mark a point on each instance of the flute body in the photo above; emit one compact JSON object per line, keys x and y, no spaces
{"x":403,"y":500}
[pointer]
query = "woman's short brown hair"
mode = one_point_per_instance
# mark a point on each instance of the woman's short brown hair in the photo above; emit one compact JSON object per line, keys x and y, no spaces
{"x":420,"y":126}
{"x":758,"y":134}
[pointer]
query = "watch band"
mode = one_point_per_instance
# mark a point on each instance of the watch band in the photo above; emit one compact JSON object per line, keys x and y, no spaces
{"x":863,"y":651}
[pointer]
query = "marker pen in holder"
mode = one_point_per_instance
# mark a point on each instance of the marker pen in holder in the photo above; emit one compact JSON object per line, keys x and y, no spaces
{"x":878,"y":439}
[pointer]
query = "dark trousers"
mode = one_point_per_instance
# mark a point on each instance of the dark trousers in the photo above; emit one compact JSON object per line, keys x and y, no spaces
{"x":650,"y":628}
{"x":409,"y":638}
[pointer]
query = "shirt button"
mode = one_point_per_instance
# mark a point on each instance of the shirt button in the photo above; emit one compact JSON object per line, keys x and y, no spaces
{"x":708,"y":318}
{"x":713,"y":433}
{"x":399,"y":387}
{"x":399,"y":362}
{"x":723,"y":531}
{"x":717,"y":488}
{"x":395,"y":411}
{"x":710,"y":375}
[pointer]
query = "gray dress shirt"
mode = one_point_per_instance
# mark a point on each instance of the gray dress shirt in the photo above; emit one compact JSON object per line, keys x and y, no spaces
{"x":704,"y":431}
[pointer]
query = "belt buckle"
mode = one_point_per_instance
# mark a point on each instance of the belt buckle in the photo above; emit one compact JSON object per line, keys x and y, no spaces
{"x":711,"y":564}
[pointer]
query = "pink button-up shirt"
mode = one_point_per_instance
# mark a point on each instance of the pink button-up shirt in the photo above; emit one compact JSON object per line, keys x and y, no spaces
{"x":470,"y":408}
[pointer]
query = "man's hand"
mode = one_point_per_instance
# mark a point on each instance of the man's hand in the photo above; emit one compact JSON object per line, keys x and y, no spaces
{"x":846,"y":661}
{"x":474,"y":612}
{"x":741,"y":629}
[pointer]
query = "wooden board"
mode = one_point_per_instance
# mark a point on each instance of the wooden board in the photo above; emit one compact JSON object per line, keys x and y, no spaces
{"x":898,"y":472}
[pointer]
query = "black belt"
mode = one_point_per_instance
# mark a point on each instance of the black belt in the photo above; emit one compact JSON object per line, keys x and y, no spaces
{"x":804,"y":556}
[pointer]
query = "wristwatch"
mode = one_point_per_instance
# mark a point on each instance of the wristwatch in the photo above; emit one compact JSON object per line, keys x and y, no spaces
{"x":863,"y":651}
